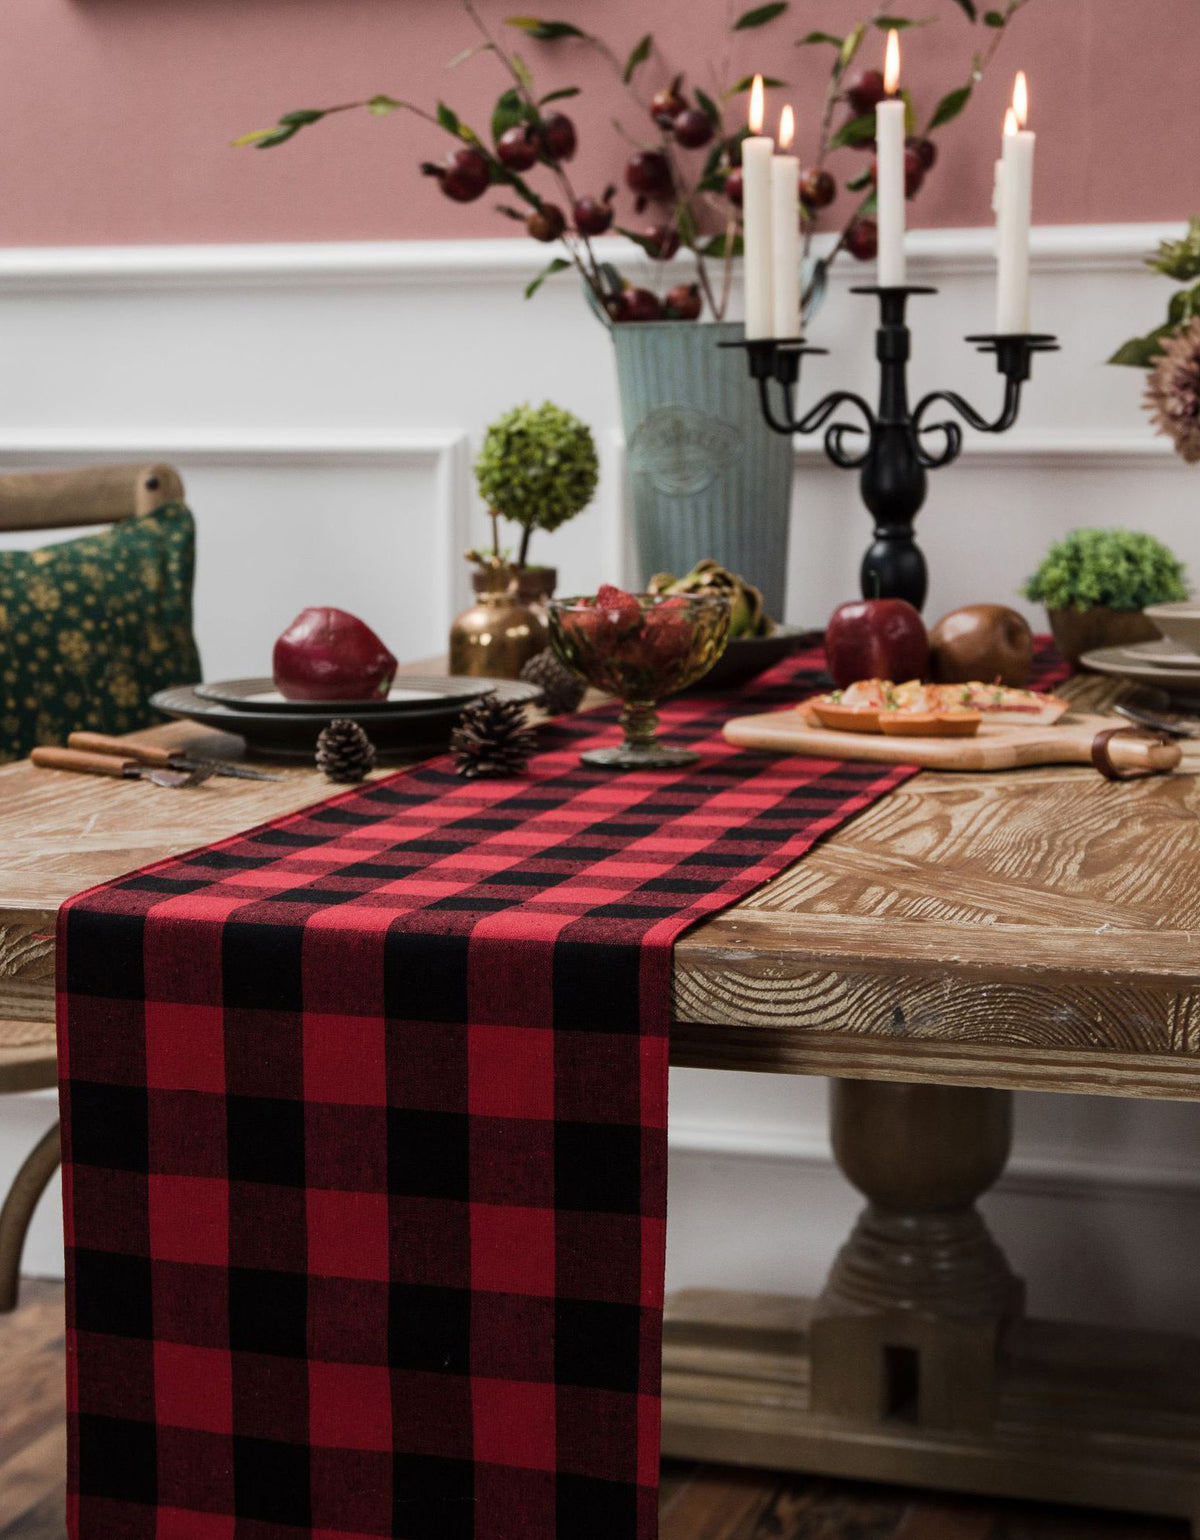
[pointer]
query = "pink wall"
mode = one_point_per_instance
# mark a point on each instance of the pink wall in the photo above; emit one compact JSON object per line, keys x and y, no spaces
{"x":115,"y":115}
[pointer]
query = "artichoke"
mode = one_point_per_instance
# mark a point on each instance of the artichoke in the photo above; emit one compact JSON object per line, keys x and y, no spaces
{"x":708,"y":576}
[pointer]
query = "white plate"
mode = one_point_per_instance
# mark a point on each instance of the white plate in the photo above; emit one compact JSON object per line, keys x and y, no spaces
{"x":1117,"y":663}
{"x":1163,"y":652}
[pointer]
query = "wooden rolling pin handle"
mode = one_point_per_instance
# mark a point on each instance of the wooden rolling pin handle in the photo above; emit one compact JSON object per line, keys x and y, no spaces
{"x":76,"y":759}
{"x":101,"y":743}
{"x":1127,"y":753}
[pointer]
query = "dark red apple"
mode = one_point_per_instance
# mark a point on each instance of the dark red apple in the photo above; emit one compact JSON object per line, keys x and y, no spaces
{"x":984,"y":642}
{"x":328,"y":654}
{"x":876,"y":639}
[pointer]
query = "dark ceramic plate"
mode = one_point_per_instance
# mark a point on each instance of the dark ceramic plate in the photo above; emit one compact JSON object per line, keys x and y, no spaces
{"x":415,"y":693}
{"x":293,"y":735}
{"x":747,"y":656}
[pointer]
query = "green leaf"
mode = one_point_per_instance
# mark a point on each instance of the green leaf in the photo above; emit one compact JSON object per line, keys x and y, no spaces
{"x":469,"y":53}
{"x":716,"y":247}
{"x":897,"y":23}
{"x":559,"y":265}
{"x":559,"y":96}
{"x":910,"y":113}
{"x":760,"y":15}
{"x":851,"y":43}
{"x":854,"y":131}
{"x":819,"y":37}
{"x":273,"y":136}
{"x":709,"y":107}
{"x":744,"y":84}
{"x":950,"y":106}
{"x":639,"y":55}
{"x":968,"y":9}
{"x":868,"y":206}
{"x":302,"y":116}
{"x":448,"y":118}
{"x":509,"y":110}
{"x":858,"y":183}
{"x":1137,"y":353}
{"x":522,"y":71}
{"x":543,"y":31}
{"x":994,"y":19}
{"x":381,"y":105}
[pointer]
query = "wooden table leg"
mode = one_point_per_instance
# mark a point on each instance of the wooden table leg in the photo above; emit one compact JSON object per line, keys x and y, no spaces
{"x":28,"y":1186}
{"x":916,"y":1364}
{"x":911,"y":1320}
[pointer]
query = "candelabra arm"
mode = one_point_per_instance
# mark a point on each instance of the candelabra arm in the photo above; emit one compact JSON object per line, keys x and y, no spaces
{"x":816,"y":417}
{"x":779,"y":425}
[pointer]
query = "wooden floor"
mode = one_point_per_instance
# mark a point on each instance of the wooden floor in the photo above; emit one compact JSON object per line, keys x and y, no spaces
{"x":698,"y":1502}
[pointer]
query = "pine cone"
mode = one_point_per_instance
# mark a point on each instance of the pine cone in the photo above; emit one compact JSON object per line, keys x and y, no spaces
{"x":344,"y":752}
{"x":492,"y":738}
{"x":562,"y":690}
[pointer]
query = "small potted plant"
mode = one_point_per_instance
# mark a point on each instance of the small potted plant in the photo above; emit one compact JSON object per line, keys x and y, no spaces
{"x":1096,"y":583}
{"x":537,"y":468}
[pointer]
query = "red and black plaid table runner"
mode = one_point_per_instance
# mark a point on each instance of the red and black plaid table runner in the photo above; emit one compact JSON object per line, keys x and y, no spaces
{"x":364,"y":1138}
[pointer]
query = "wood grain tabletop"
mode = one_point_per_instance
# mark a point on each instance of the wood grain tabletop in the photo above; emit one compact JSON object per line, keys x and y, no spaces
{"x":1037,"y":927}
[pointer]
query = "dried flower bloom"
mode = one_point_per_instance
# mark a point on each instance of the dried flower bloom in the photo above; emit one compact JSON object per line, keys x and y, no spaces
{"x":1173,"y":396}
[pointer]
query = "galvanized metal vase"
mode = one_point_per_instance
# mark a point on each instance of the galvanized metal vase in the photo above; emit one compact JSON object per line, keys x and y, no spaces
{"x":709,"y":478}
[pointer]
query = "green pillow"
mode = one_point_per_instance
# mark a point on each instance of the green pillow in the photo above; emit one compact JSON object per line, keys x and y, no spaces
{"x":90,"y":628}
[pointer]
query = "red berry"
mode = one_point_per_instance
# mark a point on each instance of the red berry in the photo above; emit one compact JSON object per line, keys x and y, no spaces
{"x":518,"y":147}
{"x":592,"y":217}
{"x":662,"y":242}
{"x":546,"y":223}
{"x":865,"y":92}
{"x":683,"y":303}
{"x":558,"y":136}
{"x":817,"y":188}
{"x":733,"y":187}
{"x":648,"y":173}
{"x":464,"y":176}
{"x":640,"y":305}
{"x":693,"y":128}
{"x":926,"y":149}
{"x":666,"y":104}
{"x":862,"y":239}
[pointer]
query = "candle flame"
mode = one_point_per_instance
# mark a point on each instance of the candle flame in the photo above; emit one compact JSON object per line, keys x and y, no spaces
{"x":756,"y":105}
{"x":1010,"y":124}
{"x":787,"y":128}
{"x":891,"y":62}
{"x":1020,"y":99}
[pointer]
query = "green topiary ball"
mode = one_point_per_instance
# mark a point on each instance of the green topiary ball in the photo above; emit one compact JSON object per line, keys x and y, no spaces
{"x":538,"y":466}
{"x":1120,"y":568}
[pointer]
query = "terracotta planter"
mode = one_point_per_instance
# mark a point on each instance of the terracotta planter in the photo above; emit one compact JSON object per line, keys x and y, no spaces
{"x":1078,"y":631}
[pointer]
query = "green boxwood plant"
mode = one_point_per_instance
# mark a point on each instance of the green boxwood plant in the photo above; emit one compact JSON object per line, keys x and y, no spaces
{"x":1121,"y":569}
{"x":538,"y":467}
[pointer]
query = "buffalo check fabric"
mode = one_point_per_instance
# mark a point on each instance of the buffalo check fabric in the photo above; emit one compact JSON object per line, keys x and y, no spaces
{"x":364,"y":1138}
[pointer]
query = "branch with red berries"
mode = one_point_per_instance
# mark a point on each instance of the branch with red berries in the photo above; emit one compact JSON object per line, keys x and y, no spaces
{"x":695,"y":204}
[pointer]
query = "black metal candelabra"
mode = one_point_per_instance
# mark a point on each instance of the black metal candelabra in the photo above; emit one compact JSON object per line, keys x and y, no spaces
{"x":893,"y":460}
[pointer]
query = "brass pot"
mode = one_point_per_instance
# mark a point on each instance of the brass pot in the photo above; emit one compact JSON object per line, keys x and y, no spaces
{"x":506,"y":626}
{"x":1078,"y":631}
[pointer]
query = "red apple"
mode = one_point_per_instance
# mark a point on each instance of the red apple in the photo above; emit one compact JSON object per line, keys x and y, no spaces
{"x":876,"y":639}
{"x":327,"y":654}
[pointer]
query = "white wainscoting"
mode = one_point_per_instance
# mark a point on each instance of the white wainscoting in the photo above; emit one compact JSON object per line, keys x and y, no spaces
{"x":323,"y":403}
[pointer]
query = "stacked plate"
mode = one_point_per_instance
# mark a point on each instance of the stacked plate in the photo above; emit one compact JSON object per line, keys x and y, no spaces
{"x":1161,"y":662}
{"x":416,"y":717}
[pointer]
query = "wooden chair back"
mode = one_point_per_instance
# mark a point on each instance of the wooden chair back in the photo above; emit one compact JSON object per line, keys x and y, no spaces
{"x":99,"y":494}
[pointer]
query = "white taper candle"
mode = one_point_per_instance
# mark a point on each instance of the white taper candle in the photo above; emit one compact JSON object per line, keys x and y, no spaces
{"x":756,"y":220}
{"x":889,"y":176}
{"x":785,"y":233}
{"x":1014,"y":215}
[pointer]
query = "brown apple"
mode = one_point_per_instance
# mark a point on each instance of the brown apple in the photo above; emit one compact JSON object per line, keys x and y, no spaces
{"x":981,"y":641}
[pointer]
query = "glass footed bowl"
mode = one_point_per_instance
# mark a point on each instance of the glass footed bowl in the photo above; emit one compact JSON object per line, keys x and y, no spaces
{"x":640,"y":647}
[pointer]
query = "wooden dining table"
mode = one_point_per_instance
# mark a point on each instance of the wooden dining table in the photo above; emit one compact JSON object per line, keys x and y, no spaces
{"x":967,"y":936}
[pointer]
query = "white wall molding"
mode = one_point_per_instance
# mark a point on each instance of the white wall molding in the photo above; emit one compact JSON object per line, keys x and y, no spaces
{"x":1067,"y":449}
{"x":932,"y":253}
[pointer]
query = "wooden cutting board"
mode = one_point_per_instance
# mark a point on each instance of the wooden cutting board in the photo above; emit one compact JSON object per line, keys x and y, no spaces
{"x":997,"y":745}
